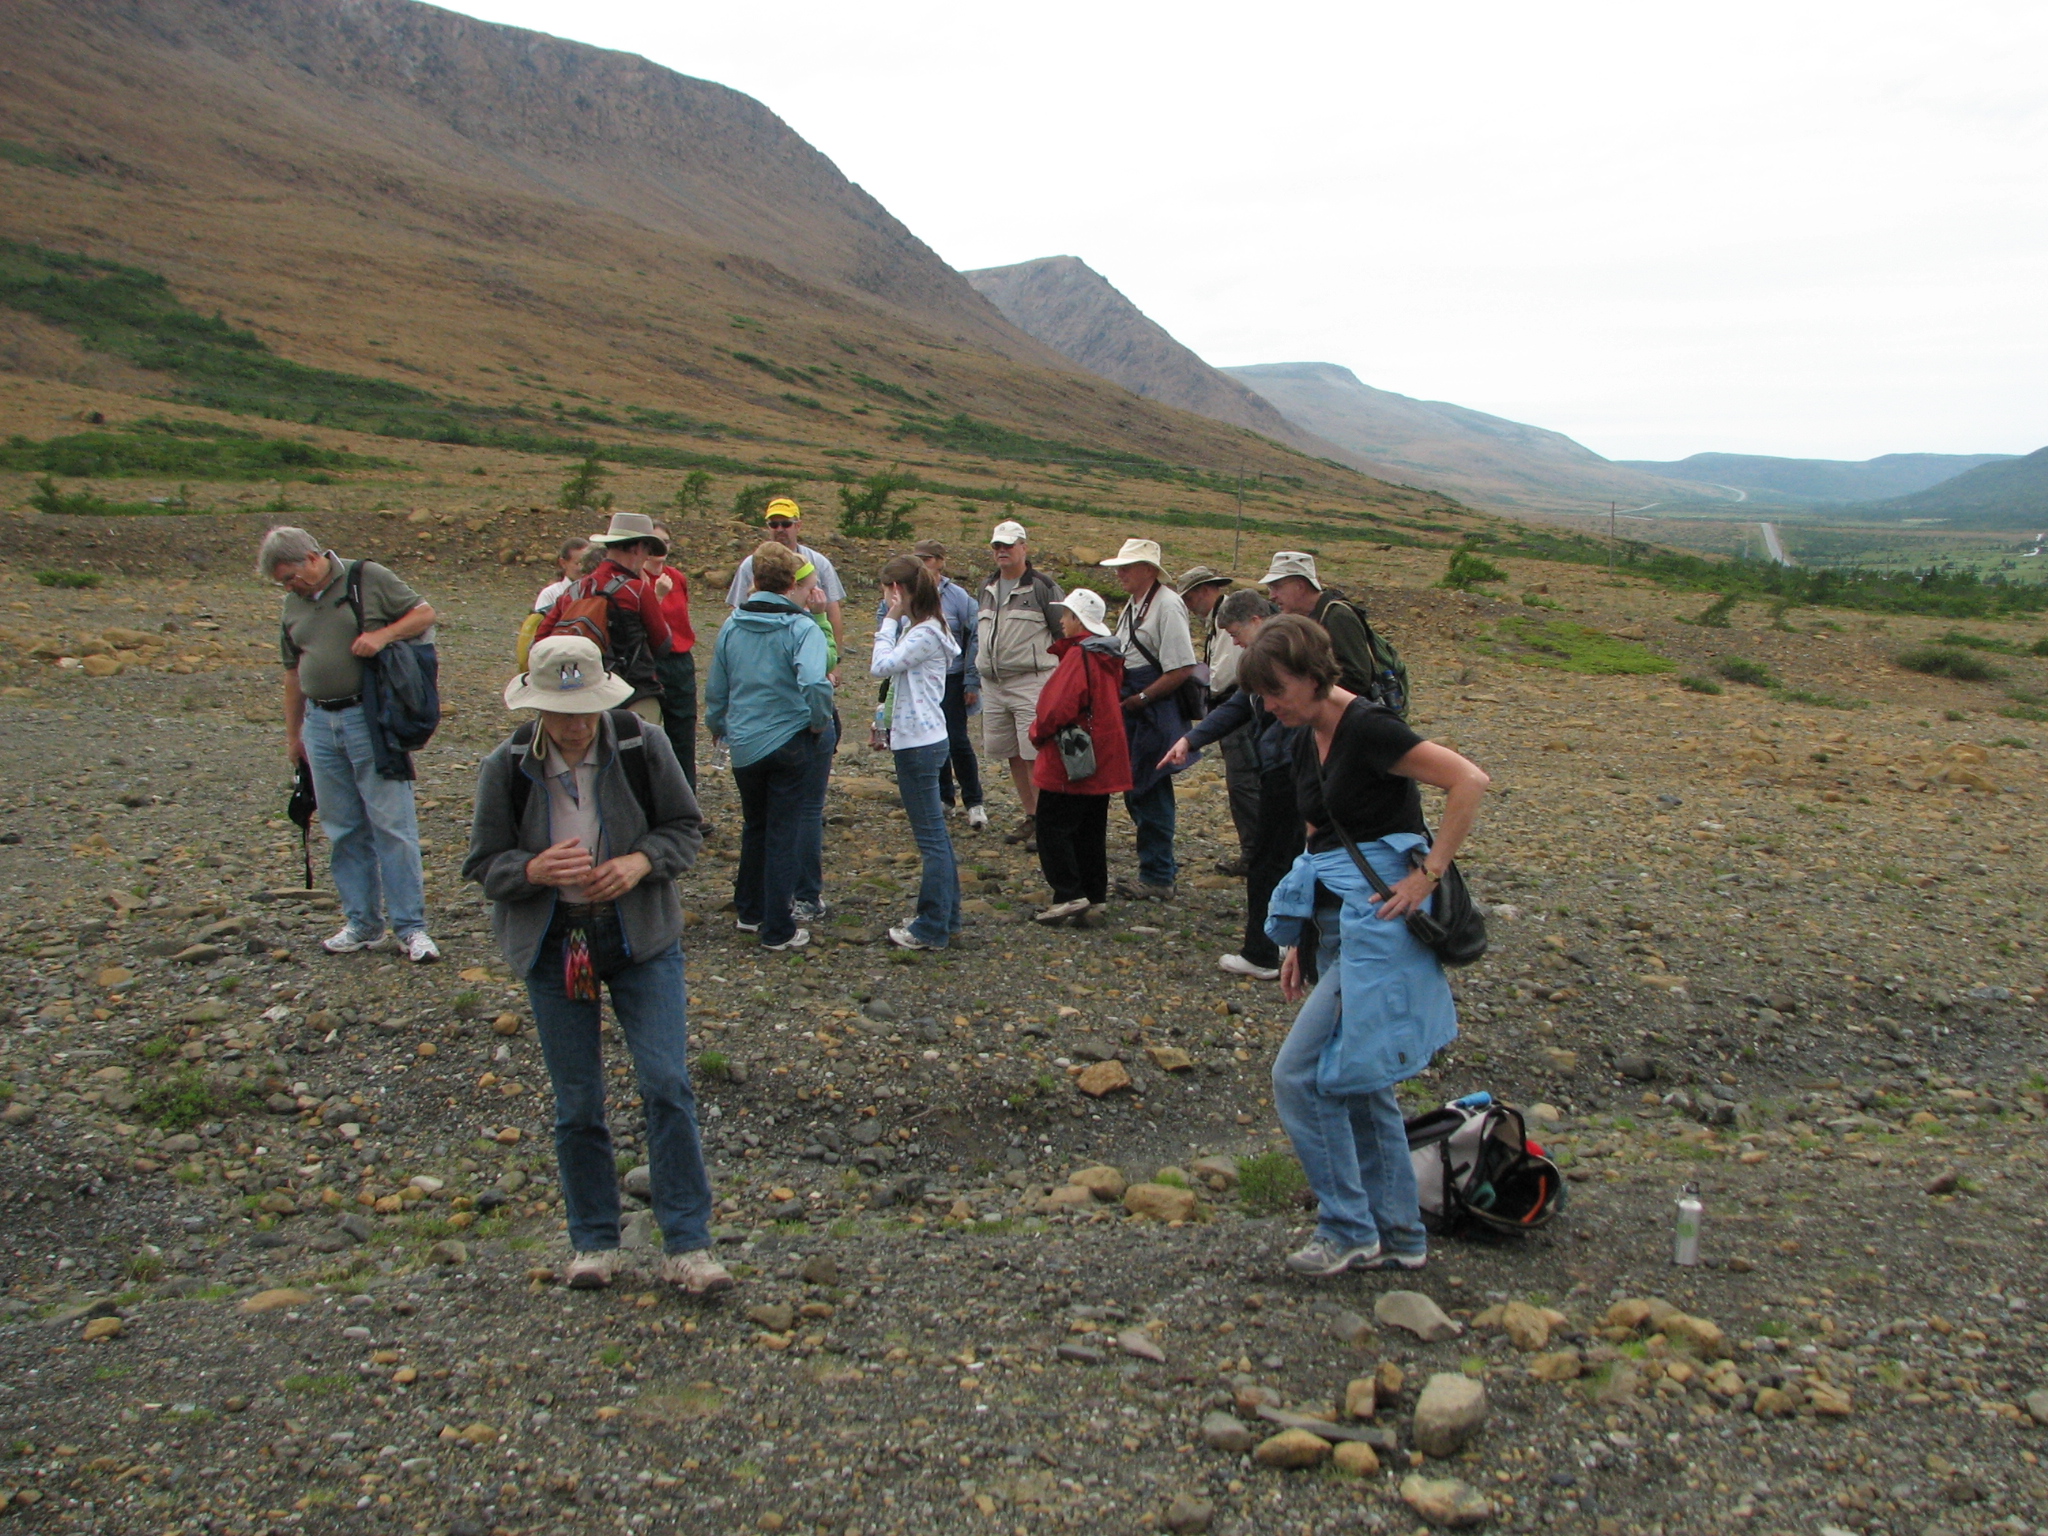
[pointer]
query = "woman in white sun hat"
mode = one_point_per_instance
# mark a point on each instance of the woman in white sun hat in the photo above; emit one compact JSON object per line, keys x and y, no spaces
{"x":583,"y":822}
{"x":1084,"y":693}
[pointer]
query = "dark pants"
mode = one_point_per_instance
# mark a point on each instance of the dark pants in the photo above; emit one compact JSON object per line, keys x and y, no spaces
{"x":771,"y":788}
{"x":1240,"y":753}
{"x":1073,"y":839}
{"x":960,"y":758}
{"x":1275,"y":845}
{"x":678,"y":673}
{"x":648,"y":1000}
{"x":1152,"y":811}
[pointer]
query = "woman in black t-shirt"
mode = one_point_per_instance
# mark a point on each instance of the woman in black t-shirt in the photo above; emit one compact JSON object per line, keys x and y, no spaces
{"x":1359,"y":766}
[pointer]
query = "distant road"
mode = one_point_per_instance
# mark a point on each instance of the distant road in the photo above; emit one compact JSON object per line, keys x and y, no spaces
{"x":1740,"y":493}
{"x":1772,"y":546}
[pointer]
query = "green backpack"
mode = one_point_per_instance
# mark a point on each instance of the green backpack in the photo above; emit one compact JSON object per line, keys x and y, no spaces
{"x":1389,"y":685}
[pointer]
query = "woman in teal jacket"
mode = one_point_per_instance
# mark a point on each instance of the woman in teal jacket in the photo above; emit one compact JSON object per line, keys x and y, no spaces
{"x":769,"y":699}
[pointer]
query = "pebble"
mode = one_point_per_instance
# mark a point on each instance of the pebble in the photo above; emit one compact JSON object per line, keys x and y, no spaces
{"x":1080,"y":1354}
{"x":1101,"y":1181}
{"x":1449,"y":1412}
{"x":1354,"y":1458}
{"x":1563,"y":1365}
{"x":774,"y":1316}
{"x":1188,"y":1514}
{"x":448,"y":1251}
{"x":819,"y":1270}
{"x":1291,"y":1450}
{"x":1104,"y":1077}
{"x":1417,"y":1314}
{"x":2037,"y":1405}
{"x":1361,"y":1397}
{"x":1160,"y":1202}
{"x":276,"y":1299}
{"x":1527,"y":1328}
{"x":1352,"y":1329}
{"x":1226,"y":1432}
{"x":1444,"y":1501}
{"x":1136,"y":1341}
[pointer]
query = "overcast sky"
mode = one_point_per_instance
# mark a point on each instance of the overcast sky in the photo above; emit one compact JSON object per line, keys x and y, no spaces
{"x":1788,"y":227}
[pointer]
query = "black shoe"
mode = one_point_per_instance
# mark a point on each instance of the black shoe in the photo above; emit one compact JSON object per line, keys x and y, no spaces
{"x":1236,"y":868}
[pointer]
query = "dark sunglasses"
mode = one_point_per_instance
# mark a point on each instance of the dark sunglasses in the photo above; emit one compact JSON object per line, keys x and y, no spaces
{"x":780,"y":523}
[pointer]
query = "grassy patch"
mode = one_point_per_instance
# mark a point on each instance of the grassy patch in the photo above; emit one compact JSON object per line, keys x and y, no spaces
{"x":1267,"y":1185}
{"x":1468,"y":569}
{"x":1737,"y":669}
{"x":179,"y":448}
{"x":182,"y":1100}
{"x":1949,"y":661}
{"x":1692,"y":682}
{"x":74,"y":580}
{"x":1818,"y":700}
{"x":1970,"y":642}
{"x":304,"y":1385}
{"x":713,"y":1064}
{"x":41,"y":159}
{"x":52,"y":502}
{"x":1566,"y":647}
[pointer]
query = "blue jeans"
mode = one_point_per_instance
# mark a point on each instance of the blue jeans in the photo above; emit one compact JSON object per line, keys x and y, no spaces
{"x":1153,"y":813}
{"x":369,"y":820}
{"x":810,"y":813}
{"x":648,"y":1001}
{"x":938,"y":894}
{"x":1354,"y":1149}
{"x":771,"y":833}
{"x":961,"y":760}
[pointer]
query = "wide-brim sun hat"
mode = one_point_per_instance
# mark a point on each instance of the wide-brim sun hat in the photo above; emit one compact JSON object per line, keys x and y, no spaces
{"x":1292,"y":562}
{"x":1088,"y":607}
{"x":1200,"y":576}
{"x":627,"y":527}
{"x":565,"y":675}
{"x":1137,"y":552}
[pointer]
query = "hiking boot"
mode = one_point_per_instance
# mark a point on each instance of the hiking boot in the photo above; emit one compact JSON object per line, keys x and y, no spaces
{"x":593,"y":1271}
{"x":1326,"y":1256}
{"x":351,"y":939}
{"x":1143,"y":890}
{"x":418,"y":948}
{"x":1063,"y":909}
{"x":1237,"y":965}
{"x":1236,"y":868}
{"x":697,"y":1272}
{"x":801,"y":939}
{"x":977,"y":818}
{"x":1026,"y":831}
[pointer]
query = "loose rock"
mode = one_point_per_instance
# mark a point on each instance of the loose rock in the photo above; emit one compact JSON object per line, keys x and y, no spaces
{"x":1416,"y":1313}
{"x":1291,"y":1450}
{"x":1445,"y":1501}
{"x":1449,"y":1412}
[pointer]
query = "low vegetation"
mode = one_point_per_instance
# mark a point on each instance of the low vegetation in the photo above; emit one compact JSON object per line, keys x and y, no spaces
{"x":1566,"y":647}
{"x":1468,"y":569}
{"x":180,"y":448}
{"x":1752,"y":674}
{"x":1949,"y":661}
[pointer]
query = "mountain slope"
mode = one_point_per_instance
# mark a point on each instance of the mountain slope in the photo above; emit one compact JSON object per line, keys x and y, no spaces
{"x":2007,"y":494}
{"x":1068,"y":305}
{"x":580,"y":237}
{"x":1879,"y":479}
{"x":1481,"y":458}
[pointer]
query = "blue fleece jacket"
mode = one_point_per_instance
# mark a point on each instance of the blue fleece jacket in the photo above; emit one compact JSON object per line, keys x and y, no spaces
{"x":767,"y":678}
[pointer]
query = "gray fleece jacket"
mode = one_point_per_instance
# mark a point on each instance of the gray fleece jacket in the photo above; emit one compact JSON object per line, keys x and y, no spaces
{"x":650,"y":913}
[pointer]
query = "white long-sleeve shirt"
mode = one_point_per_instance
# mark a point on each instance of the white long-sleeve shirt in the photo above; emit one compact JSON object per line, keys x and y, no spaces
{"x":914,"y":657}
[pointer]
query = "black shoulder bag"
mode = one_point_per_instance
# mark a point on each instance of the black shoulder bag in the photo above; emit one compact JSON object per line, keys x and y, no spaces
{"x":1456,"y":931}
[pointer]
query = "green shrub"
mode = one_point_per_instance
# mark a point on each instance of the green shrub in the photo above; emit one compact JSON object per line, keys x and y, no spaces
{"x":75,"y":579}
{"x":750,"y":505}
{"x":181,"y":1101}
{"x":1270,"y":1184}
{"x":866,"y":512}
{"x":1948,"y":661}
{"x":1715,"y":614}
{"x":2039,"y":647}
{"x":713,"y":1064}
{"x":1970,"y":642}
{"x":1753,"y":673}
{"x":1467,"y":569}
{"x":580,"y":491}
{"x":1820,"y":700}
{"x":695,"y":492}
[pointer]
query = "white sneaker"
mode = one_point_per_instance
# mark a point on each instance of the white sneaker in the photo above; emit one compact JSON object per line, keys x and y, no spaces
{"x":697,"y":1272}
{"x":1237,"y":965}
{"x":903,"y":938}
{"x":745,"y":927}
{"x":593,"y":1271}
{"x":799,"y":940}
{"x":977,"y":818}
{"x":418,"y":948}
{"x":351,"y":939}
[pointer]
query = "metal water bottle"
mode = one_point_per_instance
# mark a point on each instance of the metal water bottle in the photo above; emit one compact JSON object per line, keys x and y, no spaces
{"x":1686,"y":1247}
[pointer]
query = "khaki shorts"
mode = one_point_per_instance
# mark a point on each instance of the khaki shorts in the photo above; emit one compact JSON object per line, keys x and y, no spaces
{"x":1007,"y":710}
{"x":647,"y":709}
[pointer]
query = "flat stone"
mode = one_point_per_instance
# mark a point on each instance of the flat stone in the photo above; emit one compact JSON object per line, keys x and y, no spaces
{"x":1563,"y":1365}
{"x":1219,"y":1173}
{"x":1354,"y":1458}
{"x":1445,"y":1502}
{"x":179,"y":1145}
{"x":1226,"y":1432}
{"x":1170,"y":1058}
{"x":1101,"y":1181}
{"x":1188,"y":1514}
{"x":276,"y":1300}
{"x":356,"y":1227}
{"x":1643,"y":1069}
{"x":1773,"y":1403}
{"x":1328,"y":1429}
{"x":1103,"y":1077}
{"x":1449,"y":1412}
{"x":1160,"y":1202}
{"x":1080,"y":1354}
{"x":1704,"y":1338}
{"x":1352,"y":1329}
{"x":1291,"y":1450}
{"x":1527,"y":1328}
{"x":1417,"y":1314}
{"x":819,"y":1269}
{"x":1136,"y":1341}
{"x":199,"y":954}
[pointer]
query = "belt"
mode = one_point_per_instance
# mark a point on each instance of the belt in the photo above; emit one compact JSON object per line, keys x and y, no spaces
{"x":336,"y":705}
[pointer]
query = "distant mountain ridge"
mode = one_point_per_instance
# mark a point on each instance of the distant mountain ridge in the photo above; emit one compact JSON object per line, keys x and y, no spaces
{"x":1481,"y":458}
{"x":1880,"y":479}
{"x":2006,"y":494}
{"x":1070,"y":307}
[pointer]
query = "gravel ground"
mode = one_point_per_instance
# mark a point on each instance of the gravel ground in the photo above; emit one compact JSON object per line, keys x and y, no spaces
{"x":281,"y":1229}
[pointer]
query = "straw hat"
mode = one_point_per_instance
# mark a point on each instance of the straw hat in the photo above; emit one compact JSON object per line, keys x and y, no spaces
{"x":565,"y":675}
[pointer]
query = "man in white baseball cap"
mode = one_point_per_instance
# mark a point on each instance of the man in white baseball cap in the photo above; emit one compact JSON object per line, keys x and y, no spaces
{"x":583,"y":822}
{"x":1159,"y":655}
{"x":1014,"y":631}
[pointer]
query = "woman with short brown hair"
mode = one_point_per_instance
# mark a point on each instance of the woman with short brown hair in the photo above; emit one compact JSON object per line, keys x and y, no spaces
{"x":912,"y":650}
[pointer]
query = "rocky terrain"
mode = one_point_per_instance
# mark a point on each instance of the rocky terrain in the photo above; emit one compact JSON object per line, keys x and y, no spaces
{"x":282,"y":1229}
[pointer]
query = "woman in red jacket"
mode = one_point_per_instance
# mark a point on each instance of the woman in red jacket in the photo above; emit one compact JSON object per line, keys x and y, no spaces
{"x":1073,"y":814}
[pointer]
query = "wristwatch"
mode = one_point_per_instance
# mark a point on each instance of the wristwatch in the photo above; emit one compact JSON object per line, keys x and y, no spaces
{"x":1435,"y":876}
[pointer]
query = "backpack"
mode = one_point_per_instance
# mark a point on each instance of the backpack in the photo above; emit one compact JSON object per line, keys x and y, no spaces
{"x":529,"y":628}
{"x":1474,"y":1162}
{"x":588,"y":615}
{"x":632,"y":758}
{"x":1389,"y":685}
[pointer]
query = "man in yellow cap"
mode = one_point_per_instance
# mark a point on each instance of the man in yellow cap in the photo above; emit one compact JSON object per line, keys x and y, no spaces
{"x":782,"y":516}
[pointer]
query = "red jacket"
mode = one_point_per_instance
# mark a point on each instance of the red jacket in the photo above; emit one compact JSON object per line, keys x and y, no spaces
{"x":1086,"y":687}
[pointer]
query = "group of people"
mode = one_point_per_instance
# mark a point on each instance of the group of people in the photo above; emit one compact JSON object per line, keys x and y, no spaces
{"x":586,"y":816}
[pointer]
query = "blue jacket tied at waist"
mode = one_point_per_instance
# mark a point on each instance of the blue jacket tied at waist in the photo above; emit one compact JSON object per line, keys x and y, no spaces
{"x":1397,"y":1006}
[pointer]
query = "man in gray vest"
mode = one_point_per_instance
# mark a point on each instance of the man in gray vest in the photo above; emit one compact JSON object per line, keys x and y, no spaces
{"x":1015,"y":631}
{"x":369,"y":820}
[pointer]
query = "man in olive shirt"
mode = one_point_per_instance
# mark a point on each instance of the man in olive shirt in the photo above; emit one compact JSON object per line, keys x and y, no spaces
{"x":369,"y":820}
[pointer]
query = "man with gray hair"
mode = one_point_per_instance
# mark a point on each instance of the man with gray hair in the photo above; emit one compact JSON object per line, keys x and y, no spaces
{"x":370,"y":820}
